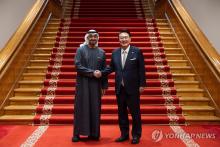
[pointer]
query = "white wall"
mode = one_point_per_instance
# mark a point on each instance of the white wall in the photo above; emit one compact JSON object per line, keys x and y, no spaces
{"x":206,"y":13}
{"x":12,"y":13}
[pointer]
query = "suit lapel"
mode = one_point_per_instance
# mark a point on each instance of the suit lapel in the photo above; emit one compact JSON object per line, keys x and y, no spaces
{"x":119,"y":57}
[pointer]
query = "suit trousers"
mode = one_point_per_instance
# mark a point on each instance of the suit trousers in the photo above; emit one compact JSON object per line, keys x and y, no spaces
{"x":129,"y":102}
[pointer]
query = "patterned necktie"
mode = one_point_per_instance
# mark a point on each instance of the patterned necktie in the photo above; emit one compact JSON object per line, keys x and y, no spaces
{"x":123,"y":63}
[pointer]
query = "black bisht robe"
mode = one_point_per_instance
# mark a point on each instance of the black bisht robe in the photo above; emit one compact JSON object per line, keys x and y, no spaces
{"x":87,"y":107}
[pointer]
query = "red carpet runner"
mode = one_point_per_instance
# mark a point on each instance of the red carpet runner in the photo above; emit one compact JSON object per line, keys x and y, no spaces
{"x":56,"y":136}
{"x":159,"y":103}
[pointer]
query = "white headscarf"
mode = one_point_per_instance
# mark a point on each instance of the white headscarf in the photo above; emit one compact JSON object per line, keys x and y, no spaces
{"x":86,"y":42}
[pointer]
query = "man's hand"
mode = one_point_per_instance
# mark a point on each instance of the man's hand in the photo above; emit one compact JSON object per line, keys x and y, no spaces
{"x":97,"y":73}
{"x":103,"y":91}
{"x":141,"y":89}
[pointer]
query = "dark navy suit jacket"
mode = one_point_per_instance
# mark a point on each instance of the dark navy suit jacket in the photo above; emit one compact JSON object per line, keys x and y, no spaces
{"x":133,"y":73}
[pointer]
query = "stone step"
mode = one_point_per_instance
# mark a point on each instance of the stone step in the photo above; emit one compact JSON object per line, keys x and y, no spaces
{"x":184,"y":92}
{"x":46,"y":43}
{"x":184,"y":76}
{"x":116,"y":27}
{"x":163,"y":39}
{"x":168,"y":56}
{"x":30,"y":110}
{"x":170,"y":62}
{"x":33,"y":100}
{"x":186,"y":84}
{"x":39,"y":83}
{"x":174,"y":63}
{"x":34,"y":76}
{"x":194,"y":101}
{"x":27,"y":91}
{"x":190,"y":92}
{"x":176,"y":76}
{"x":27,"y":119}
{"x":24,"y":100}
{"x":202,"y":119}
{"x":20,"y":110}
{"x":54,"y":33}
{"x":173,"y":69}
{"x":57,"y":24}
{"x":31,"y":83}
{"x":198,"y":110}
{"x":180,"y":69}
{"x":16,"y":119}
{"x":166,"y":50}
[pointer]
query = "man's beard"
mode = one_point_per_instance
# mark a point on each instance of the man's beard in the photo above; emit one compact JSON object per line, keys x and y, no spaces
{"x":92,"y":42}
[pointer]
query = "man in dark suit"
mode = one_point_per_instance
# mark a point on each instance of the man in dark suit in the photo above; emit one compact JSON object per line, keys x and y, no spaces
{"x":128,"y":64}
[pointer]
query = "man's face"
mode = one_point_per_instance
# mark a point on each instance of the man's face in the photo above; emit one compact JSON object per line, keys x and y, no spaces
{"x":93,"y":39}
{"x":124,"y":40}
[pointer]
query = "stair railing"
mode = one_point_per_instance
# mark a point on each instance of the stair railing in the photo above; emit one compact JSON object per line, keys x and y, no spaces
{"x":17,"y":51}
{"x":203,"y":56}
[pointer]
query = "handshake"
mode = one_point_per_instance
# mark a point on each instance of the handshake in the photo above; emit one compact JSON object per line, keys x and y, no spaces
{"x":97,"y":73}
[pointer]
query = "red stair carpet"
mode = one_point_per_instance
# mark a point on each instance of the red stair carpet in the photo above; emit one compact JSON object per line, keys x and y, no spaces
{"x":159,"y":103}
{"x":57,"y":136}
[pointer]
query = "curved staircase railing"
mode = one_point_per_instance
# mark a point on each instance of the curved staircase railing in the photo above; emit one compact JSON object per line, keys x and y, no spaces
{"x":203,"y":56}
{"x":16,"y":52}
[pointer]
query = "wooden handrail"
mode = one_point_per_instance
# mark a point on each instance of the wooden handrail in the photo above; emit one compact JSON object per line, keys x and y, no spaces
{"x":203,"y":57}
{"x":17,"y":51}
{"x":206,"y":47}
{"x":13,"y":43}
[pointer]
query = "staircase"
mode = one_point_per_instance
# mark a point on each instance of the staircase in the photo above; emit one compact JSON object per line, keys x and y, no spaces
{"x":45,"y":93}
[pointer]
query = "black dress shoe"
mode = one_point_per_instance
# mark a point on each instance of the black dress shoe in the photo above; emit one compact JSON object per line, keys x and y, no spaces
{"x":75,"y":139}
{"x":93,"y":138}
{"x":135,"y":140}
{"x":122,"y":138}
